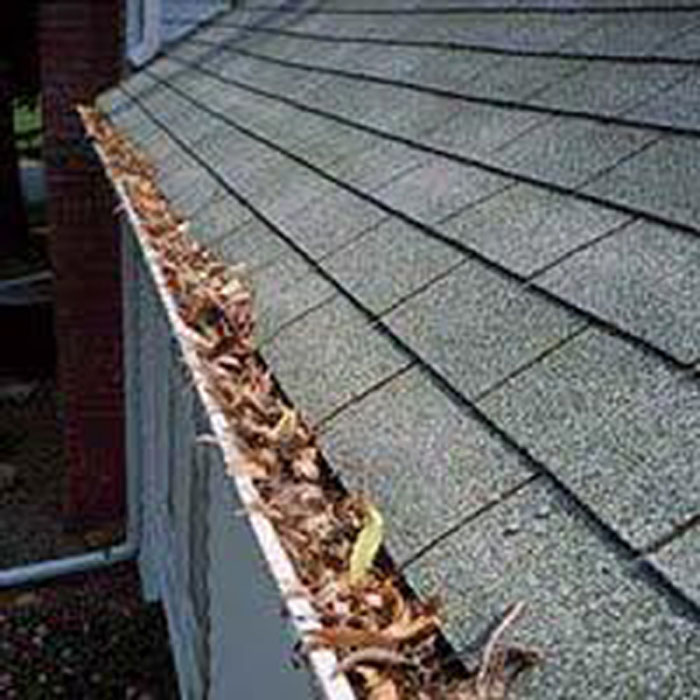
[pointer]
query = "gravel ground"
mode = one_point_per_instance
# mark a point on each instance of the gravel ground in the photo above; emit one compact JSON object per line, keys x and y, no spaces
{"x":30,"y":504}
{"x":31,"y":448}
{"x":84,"y":638}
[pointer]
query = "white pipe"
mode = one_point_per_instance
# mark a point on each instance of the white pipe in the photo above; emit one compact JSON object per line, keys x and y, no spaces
{"x":50,"y":568}
{"x":44,"y":276}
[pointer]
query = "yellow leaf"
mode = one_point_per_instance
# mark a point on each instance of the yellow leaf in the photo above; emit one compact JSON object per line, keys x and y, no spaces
{"x":286,"y":426}
{"x":366,"y":545}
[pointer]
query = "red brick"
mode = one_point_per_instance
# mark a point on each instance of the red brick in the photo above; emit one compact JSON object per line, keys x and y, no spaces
{"x":81,"y":52}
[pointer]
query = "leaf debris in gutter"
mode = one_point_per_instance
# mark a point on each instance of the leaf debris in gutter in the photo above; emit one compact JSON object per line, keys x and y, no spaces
{"x":386,"y":638}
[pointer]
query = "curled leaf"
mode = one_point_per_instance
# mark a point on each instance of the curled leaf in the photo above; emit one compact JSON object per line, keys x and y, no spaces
{"x":366,"y":545}
{"x":305,"y":465}
{"x":384,"y":690}
{"x":376,"y":656}
{"x":343,"y":636}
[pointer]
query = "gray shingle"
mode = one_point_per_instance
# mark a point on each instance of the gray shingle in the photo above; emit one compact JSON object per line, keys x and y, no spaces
{"x":570,"y":151}
{"x":292,"y":128}
{"x":330,"y":220}
{"x":438,"y":188}
{"x":526,"y":228}
{"x":329,"y":357}
{"x":181,"y":115}
{"x":509,"y":31}
{"x":168,"y":158}
{"x":659,"y":180}
{"x":189,"y":187}
{"x":129,"y":118}
{"x":616,"y":425}
{"x":679,"y":106}
{"x":389,"y":262}
{"x":253,"y":245}
{"x":680,"y":561}
{"x":644,"y":279}
{"x":158,"y":147}
{"x":114,"y":102}
{"x":233,"y":155}
{"x":401,"y":111}
{"x":426,"y":468}
{"x":342,"y":96}
{"x":229,"y":99}
{"x":478,"y":129}
{"x":426,"y":66}
{"x":265,"y":75}
{"x":222,"y":216}
{"x":285,"y":290}
{"x":631,"y":34}
{"x":476,"y":327}
{"x":604,"y":633}
{"x":280,"y":188}
{"x":609,"y":89}
{"x":332,"y":142}
{"x":517,"y":77}
{"x":138,"y":83}
{"x":685,"y":44}
{"x":375,"y":164}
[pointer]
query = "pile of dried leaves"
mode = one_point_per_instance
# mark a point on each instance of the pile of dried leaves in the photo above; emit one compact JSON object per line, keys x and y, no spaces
{"x":384,"y":638}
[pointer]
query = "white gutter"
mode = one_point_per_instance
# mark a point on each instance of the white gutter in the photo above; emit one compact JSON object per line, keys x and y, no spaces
{"x":322,"y":662}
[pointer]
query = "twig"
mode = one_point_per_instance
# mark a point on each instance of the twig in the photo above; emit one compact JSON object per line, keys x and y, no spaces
{"x":491,"y":647}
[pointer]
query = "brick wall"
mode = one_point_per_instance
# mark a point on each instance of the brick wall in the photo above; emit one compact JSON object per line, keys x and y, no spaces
{"x":81,"y":54}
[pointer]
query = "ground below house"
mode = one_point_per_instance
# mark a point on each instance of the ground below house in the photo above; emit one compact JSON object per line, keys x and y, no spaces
{"x":33,"y":468}
{"x":87,"y":637}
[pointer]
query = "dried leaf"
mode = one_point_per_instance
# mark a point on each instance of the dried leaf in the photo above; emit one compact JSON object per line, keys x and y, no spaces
{"x":418,"y":628}
{"x":249,"y":467}
{"x":286,"y":426}
{"x":376,"y":656}
{"x":305,"y":466}
{"x":342,"y":637}
{"x":366,"y":545}
{"x":384,"y":690}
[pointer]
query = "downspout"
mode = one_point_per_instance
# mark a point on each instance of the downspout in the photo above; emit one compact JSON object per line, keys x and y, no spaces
{"x":106,"y":556}
{"x":51,"y":568}
{"x":98,"y":559}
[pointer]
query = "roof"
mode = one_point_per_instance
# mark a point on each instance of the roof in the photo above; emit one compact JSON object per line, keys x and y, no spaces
{"x":473,"y":230}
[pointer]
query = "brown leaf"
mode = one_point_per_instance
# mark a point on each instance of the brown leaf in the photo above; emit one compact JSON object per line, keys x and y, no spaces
{"x":412,"y":629}
{"x":375,"y":656}
{"x":384,"y":690}
{"x":305,"y":466}
{"x":251,"y":468}
{"x":342,"y":637}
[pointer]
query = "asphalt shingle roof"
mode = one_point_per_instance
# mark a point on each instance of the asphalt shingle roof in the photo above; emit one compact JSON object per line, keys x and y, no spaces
{"x":475,"y":236}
